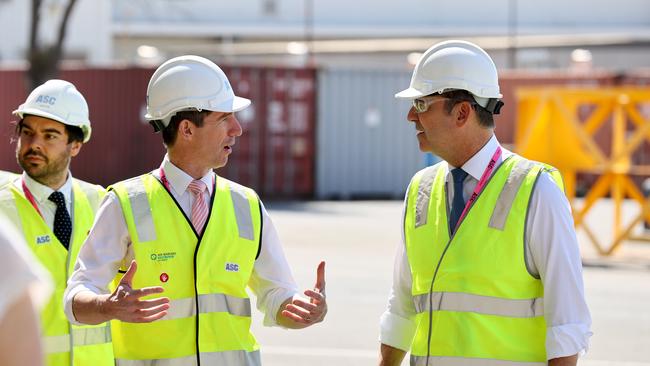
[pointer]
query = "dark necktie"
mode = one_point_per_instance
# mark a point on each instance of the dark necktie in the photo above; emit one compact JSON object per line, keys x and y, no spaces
{"x":62,"y":222}
{"x":458,"y":203}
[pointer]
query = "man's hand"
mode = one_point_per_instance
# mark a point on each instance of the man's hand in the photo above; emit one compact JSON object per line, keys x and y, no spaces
{"x":564,"y":361}
{"x":297,"y":313}
{"x":390,"y":356}
{"x":124,"y":303}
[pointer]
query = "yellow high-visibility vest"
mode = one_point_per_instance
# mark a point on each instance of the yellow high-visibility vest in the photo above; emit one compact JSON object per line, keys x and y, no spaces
{"x":204,"y":275}
{"x":484,"y":307}
{"x":64,"y":344}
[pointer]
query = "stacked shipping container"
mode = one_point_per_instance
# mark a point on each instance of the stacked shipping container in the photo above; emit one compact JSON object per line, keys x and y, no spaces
{"x":275,"y":155}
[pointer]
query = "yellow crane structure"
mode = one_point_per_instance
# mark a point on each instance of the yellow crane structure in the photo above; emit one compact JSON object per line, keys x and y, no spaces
{"x":590,"y":130}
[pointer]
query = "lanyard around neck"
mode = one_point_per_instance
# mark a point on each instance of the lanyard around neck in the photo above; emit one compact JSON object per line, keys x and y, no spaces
{"x":30,"y":197}
{"x":163,"y":179}
{"x":481,"y":184}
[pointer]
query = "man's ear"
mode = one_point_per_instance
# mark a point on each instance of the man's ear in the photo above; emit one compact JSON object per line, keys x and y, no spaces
{"x":76,"y":147}
{"x":462,"y":111}
{"x":185,"y":129}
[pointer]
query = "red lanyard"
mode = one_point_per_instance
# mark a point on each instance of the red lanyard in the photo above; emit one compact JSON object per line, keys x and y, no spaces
{"x":30,"y":197}
{"x":481,"y":184}
{"x":163,"y":178}
{"x":165,"y":182}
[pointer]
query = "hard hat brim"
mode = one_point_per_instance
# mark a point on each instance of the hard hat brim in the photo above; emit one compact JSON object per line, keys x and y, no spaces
{"x":237,"y":104}
{"x":37,"y":112}
{"x":410,"y":93}
{"x":240,"y":103}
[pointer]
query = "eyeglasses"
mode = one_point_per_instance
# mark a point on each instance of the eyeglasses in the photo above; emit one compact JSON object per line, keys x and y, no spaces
{"x":422,"y":105}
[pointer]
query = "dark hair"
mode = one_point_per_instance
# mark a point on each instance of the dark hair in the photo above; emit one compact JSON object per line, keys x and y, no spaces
{"x":74,"y":133}
{"x":170,"y":132}
{"x":485,"y":118}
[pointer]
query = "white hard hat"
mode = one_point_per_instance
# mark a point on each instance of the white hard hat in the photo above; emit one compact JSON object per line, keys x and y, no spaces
{"x":455,"y":65}
{"x":190,"y":82}
{"x":58,"y":100}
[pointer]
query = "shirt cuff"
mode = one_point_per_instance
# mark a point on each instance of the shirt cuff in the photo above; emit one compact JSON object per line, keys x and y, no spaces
{"x":273,"y":305}
{"x":567,"y":340}
{"x":396,"y":331}
{"x":69,"y":296}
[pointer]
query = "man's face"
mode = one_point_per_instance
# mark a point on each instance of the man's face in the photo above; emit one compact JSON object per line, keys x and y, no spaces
{"x":43,"y":150}
{"x":216,"y":137}
{"x":434,"y":126}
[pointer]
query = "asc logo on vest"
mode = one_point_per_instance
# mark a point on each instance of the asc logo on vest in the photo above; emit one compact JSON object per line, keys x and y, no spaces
{"x":46,"y":99}
{"x":232,"y":267}
{"x":43,"y":239}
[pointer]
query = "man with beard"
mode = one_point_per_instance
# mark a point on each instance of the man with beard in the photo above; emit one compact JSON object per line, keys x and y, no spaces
{"x":55,"y":211}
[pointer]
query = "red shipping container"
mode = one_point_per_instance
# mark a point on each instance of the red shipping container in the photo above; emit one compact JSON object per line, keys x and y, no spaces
{"x":124,"y":145}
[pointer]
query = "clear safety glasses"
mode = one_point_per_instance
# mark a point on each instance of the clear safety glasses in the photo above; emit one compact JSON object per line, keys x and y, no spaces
{"x":422,"y":105}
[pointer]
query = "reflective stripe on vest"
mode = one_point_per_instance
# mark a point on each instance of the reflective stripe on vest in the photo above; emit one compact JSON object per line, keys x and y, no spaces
{"x":141,"y":210}
{"x":144,"y":220}
{"x":465,"y":361}
{"x":90,"y":336}
{"x":94,"y":193}
{"x":424,"y":195}
{"x":508,"y":193}
{"x":242,"y":214}
{"x":208,"y":303}
{"x":207,"y":358}
{"x":455,"y":301}
{"x":80,"y":336}
{"x":220,"y":303}
{"x":56,"y":344}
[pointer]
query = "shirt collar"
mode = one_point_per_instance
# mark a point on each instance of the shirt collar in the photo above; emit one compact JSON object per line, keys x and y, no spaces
{"x":476,"y":165}
{"x":42,"y":192}
{"x":179,"y":180}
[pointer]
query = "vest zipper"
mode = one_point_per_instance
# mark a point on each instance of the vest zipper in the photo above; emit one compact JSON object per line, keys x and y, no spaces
{"x":196,"y":251}
{"x":451,"y":238}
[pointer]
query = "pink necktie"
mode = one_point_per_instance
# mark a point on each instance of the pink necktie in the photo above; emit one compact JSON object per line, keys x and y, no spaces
{"x":199,"y":207}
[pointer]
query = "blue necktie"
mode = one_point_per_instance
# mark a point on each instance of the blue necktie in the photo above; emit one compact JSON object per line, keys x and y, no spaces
{"x":62,"y":222}
{"x":458,"y":203}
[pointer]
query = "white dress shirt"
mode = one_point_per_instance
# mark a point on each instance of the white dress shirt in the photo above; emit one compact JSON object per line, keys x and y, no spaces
{"x":552,"y":254}
{"x":109,"y":245}
{"x":41,"y":194}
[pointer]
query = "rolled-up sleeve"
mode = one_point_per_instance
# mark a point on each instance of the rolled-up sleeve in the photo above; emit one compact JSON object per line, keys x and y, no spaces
{"x":271,"y":281}
{"x":555,"y":258}
{"x":103,"y":252}
{"x":397,"y":325}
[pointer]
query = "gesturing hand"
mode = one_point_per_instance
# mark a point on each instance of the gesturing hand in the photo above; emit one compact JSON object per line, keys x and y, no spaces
{"x":314,"y":311}
{"x":125,"y":304}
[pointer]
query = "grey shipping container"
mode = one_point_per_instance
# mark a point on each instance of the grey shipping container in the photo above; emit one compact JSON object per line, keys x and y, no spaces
{"x":365,"y":146}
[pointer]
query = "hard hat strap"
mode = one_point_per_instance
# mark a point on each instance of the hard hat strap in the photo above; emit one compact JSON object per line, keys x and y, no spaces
{"x":158,"y":125}
{"x":494,"y":105}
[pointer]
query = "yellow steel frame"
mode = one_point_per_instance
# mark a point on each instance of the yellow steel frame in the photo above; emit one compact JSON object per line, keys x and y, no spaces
{"x":547,"y":120}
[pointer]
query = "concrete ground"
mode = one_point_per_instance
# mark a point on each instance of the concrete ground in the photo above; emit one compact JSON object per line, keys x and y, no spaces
{"x":357,"y":240}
